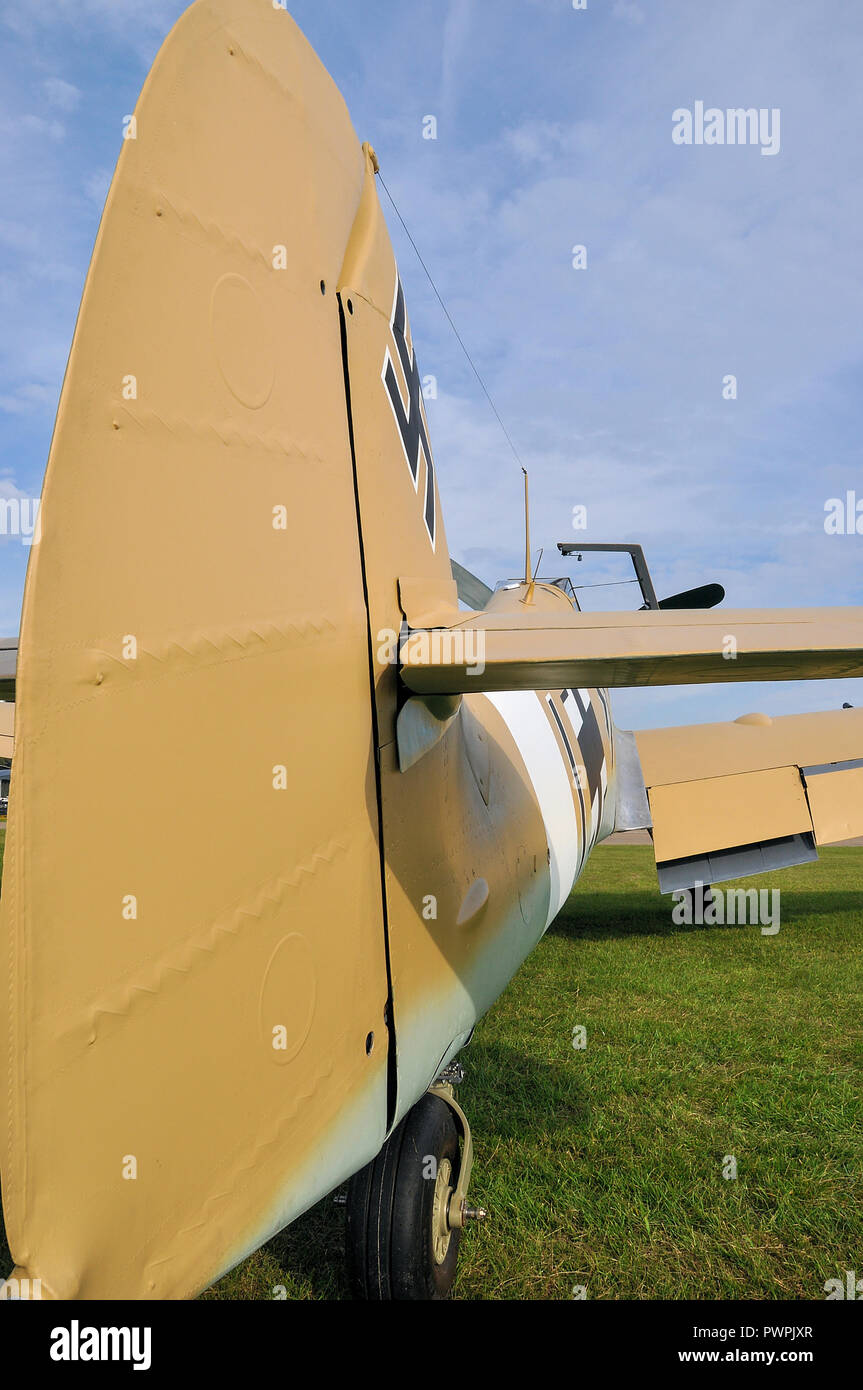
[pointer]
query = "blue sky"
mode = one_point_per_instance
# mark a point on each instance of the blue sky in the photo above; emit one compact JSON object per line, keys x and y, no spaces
{"x":554,"y":129}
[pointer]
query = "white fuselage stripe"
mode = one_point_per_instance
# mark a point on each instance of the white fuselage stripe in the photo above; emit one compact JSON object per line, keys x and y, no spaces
{"x":527,"y":721}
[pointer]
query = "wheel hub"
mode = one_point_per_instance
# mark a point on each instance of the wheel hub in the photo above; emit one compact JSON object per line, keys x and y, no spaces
{"x":441,"y":1232}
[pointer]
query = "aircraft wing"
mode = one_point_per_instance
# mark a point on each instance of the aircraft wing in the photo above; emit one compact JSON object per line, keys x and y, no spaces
{"x":728,"y":800}
{"x":7,"y":729}
{"x":8,"y":666}
{"x":450,"y":652}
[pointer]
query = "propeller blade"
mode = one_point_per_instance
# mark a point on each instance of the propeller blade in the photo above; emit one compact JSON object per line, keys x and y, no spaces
{"x":706,"y":596}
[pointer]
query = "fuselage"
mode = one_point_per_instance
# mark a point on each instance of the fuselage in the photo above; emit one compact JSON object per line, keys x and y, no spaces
{"x":485,"y":835}
{"x":566,"y":741}
{"x":574,"y":774}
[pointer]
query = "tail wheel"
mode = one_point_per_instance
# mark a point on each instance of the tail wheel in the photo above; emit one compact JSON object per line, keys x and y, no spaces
{"x":399,"y":1243}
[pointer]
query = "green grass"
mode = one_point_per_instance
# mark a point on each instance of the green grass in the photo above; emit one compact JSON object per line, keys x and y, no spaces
{"x":603,"y":1167}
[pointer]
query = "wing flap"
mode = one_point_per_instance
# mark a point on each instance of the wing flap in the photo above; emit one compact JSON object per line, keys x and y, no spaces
{"x":728,"y":800}
{"x":719,"y":813}
{"x":836,"y":803}
{"x":744,"y":861}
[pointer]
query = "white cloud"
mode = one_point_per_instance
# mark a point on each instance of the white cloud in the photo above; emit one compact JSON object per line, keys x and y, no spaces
{"x":26,"y":400}
{"x":8,"y":489}
{"x":456,"y":33}
{"x":549,"y":142}
{"x":554,"y":131}
{"x":629,"y":11}
{"x":30,"y":124}
{"x":126,"y":15}
{"x":61,"y":94}
{"x":96,"y":185}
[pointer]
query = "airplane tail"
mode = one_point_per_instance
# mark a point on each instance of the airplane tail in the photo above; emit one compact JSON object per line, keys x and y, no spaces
{"x":197,"y":1035}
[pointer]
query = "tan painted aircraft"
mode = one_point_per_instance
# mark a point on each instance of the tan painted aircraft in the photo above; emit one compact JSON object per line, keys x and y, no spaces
{"x":230,"y":993}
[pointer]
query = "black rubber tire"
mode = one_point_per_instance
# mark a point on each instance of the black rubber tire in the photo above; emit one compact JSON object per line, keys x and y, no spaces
{"x":388,"y":1227}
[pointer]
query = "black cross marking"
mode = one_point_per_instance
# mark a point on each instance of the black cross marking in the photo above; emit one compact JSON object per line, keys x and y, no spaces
{"x":411,"y":421}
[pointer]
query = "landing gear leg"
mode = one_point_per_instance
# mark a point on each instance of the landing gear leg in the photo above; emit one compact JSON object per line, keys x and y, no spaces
{"x":406,"y":1209}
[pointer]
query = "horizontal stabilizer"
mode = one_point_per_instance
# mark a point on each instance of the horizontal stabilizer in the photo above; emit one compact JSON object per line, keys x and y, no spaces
{"x":537,"y":649}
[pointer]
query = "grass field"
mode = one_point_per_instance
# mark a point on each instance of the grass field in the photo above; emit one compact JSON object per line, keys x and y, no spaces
{"x":604,"y":1167}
